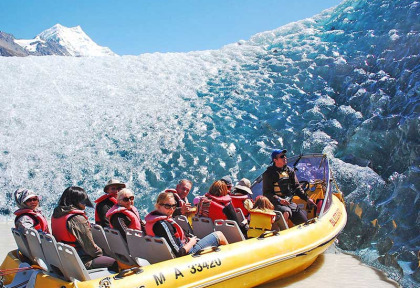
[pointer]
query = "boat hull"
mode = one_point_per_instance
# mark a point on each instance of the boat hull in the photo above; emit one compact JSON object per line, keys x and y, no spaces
{"x":244,"y":264}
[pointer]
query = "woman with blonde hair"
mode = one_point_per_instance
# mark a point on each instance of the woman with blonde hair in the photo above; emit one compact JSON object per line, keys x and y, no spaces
{"x":124,"y":215}
{"x":160,"y":223}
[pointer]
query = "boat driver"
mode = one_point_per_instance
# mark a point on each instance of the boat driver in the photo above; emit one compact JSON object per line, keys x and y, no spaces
{"x":280,"y":184}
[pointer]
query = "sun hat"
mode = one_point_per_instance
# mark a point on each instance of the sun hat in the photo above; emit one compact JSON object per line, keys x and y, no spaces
{"x":23,"y":194}
{"x":227,"y":180}
{"x":244,"y":184}
{"x":114,"y":182}
{"x":277,"y":152}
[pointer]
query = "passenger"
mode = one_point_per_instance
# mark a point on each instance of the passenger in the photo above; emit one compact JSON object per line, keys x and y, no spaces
{"x":263,"y":217}
{"x":70,"y":225}
{"x":217,"y":204}
{"x":124,"y":215}
{"x":29,"y":214}
{"x":105,"y":202}
{"x":280,"y":184}
{"x":181,"y":192}
{"x":160,"y":223}
{"x":228,"y":181}
{"x":241,"y":196}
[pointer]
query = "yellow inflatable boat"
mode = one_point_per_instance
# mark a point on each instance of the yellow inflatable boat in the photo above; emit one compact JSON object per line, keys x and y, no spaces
{"x":246,"y":263}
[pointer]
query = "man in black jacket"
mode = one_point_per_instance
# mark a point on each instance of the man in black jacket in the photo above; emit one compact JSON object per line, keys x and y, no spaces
{"x":280,"y":184}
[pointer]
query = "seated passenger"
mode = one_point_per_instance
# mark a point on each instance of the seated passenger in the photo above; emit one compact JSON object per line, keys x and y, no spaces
{"x":105,"y":202}
{"x":70,"y":225}
{"x":228,"y":181}
{"x":124,"y":215}
{"x":241,"y":196}
{"x":181,"y":196}
{"x":160,"y":223}
{"x":29,"y":214}
{"x":263,"y":217}
{"x":217,"y":204}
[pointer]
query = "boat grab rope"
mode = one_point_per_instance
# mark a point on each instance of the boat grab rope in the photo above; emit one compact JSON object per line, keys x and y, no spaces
{"x":4,"y":272}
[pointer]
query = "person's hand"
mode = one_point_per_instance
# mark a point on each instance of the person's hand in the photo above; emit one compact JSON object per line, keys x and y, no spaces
{"x":193,"y":240}
{"x":311,"y":203}
{"x":284,"y":202}
{"x":185,"y":208}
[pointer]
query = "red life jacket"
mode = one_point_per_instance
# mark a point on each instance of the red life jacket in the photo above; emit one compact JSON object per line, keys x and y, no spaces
{"x":40,"y":223}
{"x":152,"y":218}
{"x":104,"y":197}
{"x":212,"y":206}
{"x":178,"y":199}
{"x":132,"y":214}
{"x":238,"y":202}
{"x":59,"y":227}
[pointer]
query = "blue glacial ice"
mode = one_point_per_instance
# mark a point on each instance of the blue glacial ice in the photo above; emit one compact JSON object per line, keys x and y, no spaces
{"x":345,"y":82}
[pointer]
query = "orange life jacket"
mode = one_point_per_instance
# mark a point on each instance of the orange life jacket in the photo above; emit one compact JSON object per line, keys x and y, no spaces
{"x":59,"y":227}
{"x":238,"y":202}
{"x":132,"y":214}
{"x":212,"y":206}
{"x":40,"y":223}
{"x":104,"y":197}
{"x":152,"y":218}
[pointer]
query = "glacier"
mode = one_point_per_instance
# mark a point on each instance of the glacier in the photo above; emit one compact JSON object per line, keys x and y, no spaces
{"x":345,"y":82}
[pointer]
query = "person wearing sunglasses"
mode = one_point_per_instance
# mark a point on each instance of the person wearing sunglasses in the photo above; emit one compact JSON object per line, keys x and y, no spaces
{"x":124,"y":214}
{"x":29,"y":214}
{"x":106,"y":201}
{"x":70,"y":225}
{"x":160,"y":223}
{"x":280,"y":184}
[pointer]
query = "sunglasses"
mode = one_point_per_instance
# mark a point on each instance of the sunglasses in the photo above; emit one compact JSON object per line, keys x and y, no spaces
{"x":126,"y":199}
{"x":32,"y":200}
{"x":169,"y":206}
{"x":281,"y":156}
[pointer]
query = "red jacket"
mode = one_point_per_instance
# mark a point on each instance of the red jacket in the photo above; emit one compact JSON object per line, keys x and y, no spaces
{"x":212,"y":206}
{"x":104,"y":197}
{"x":152,"y":218}
{"x":132,"y":214}
{"x":59,"y":227}
{"x":40,"y":223}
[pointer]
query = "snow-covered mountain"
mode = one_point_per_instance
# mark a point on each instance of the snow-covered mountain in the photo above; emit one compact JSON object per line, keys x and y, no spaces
{"x":63,"y":41}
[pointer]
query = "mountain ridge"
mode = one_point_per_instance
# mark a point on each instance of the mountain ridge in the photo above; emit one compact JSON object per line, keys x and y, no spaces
{"x":57,"y":40}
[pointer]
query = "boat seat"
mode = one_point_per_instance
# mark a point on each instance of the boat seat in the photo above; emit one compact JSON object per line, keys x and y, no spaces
{"x":240,"y":215}
{"x":118,"y":246}
{"x":22,"y":243}
{"x":230,"y":229}
{"x":281,"y":222}
{"x":182,"y":221}
{"x":100,"y":240}
{"x":202,"y":226}
{"x":34,"y":242}
{"x":74,"y":266}
{"x":49,"y":246}
{"x":152,"y":249}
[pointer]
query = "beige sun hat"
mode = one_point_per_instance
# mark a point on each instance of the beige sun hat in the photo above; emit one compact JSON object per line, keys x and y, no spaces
{"x":244,"y":184}
{"x":115,"y":182}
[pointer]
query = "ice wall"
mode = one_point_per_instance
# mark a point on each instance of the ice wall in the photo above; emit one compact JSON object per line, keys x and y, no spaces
{"x":345,"y":83}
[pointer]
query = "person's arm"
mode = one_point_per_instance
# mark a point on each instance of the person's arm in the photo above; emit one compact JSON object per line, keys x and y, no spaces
{"x":230,"y":213}
{"x":79,"y":226}
{"x":102,"y":209}
{"x":164,"y":229}
{"x":296,"y":186}
{"x":120,"y":222}
{"x":23,"y":222}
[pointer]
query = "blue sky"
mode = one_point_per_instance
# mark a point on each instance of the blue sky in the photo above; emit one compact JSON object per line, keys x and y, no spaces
{"x":141,"y":26}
